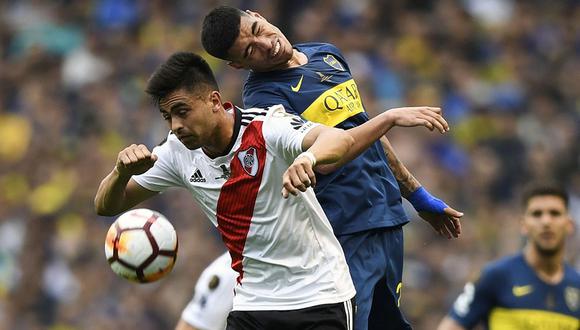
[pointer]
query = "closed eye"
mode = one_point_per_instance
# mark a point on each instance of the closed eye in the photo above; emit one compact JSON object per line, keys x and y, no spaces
{"x":250,"y":48}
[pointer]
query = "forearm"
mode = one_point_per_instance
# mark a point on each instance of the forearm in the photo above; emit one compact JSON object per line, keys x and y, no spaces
{"x":364,"y":136}
{"x":110,"y":198}
{"x":331,"y":146}
{"x":407,"y":182}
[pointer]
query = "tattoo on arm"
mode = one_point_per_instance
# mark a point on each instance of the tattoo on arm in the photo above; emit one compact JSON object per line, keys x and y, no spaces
{"x":407,"y":182}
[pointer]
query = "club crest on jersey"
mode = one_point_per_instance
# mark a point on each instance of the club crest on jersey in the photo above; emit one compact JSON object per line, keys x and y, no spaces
{"x":249,"y":160}
{"x":572,"y":297}
{"x":333,"y":62}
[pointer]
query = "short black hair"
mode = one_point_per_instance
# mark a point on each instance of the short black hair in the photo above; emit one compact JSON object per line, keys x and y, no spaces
{"x":220,"y":30}
{"x":182,"y":70}
{"x":543,"y":188}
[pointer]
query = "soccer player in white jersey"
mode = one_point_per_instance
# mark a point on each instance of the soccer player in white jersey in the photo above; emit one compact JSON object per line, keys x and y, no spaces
{"x":212,"y":297}
{"x":292,"y":273}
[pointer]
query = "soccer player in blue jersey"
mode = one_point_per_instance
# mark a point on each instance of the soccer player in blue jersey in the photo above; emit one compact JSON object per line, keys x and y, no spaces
{"x":363,"y":198}
{"x":534,"y":289}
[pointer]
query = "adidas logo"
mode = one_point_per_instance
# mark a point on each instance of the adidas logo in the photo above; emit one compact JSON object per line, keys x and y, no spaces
{"x":297,"y":122}
{"x":196,"y":176}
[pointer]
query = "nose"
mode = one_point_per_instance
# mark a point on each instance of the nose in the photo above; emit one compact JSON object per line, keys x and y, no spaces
{"x":263,"y":43}
{"x":176,"y":125}
{"x":546,"y":218}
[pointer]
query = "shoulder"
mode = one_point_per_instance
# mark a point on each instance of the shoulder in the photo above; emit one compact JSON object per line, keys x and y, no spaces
{"x":221,"y":265}
{"x":316,"y":46}
{"x":502,"y":267}
{"x":572,"y":275}
{"x":171,"y":150}
{"x":251,"y":114}
{"x":265,"y":88}
{"x":170,"y":144}
{"x":269,"y":114}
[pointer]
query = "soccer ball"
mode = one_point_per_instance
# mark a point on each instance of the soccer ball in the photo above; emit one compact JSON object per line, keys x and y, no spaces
{"x":141,"y":245}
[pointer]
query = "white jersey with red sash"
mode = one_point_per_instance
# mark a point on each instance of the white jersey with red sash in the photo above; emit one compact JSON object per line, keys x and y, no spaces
{"x":284,"y":250}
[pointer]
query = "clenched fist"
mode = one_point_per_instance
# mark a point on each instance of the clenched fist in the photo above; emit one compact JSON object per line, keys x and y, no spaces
{"x":134,"y":160}
{"x":299,"y":176}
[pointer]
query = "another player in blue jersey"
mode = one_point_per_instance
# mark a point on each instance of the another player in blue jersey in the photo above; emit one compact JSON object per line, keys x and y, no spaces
{"x":531,"y":290}
{"x":363,"y":198}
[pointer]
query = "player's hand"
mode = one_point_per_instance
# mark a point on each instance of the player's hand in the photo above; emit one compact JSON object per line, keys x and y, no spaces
{"x":445,"y":224}
{"x":430,"y":117}
{"x":298,"y":177}
{"x":134,"y":160}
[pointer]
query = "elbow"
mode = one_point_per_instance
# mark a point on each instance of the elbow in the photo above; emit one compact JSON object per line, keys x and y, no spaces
{"x":344,"y":148}
{"x":349,"y":140}
{"x":337,"y":158}
{"x":348,"y":143}
{"x":105,"y":213}
{"x":102,"y":211}
{"x":326,"y":169}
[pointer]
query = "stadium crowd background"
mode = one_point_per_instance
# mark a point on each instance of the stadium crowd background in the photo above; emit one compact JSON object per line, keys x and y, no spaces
{"x":72,"y":75}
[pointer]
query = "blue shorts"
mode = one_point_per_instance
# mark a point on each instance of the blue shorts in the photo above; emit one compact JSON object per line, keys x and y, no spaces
{"x":375,"y":259}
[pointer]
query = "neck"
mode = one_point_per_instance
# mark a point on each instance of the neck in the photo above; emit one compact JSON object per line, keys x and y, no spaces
{"x":548,"y":268}
{"x":297,"y":59}
{"x":221,"y":136}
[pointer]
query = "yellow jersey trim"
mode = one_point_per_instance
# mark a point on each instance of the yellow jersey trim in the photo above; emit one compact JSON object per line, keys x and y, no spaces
{"x":530,"y":319}
{"x":335,"y":105}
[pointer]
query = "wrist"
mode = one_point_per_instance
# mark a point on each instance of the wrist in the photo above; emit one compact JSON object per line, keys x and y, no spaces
{"x":310,"y":156}
{"x":119,"y":175}
{"x":422,"y":200}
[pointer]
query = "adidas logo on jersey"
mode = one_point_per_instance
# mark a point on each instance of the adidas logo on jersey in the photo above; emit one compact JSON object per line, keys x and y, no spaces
{"x":297,"y":122}
{"x":196,"y":176}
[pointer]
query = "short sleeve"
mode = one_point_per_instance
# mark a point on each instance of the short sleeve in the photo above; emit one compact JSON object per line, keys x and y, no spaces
{"x":284,"y":132}
{"x":475,"y":302}
{"x":163,"y":174}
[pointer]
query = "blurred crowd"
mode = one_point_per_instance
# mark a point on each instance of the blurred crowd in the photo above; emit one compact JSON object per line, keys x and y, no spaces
{"x":72,"y":75}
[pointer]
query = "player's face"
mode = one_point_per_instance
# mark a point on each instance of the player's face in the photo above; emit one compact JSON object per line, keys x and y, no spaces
{"x":547,"y":223}
{"x":260,"y":46}
{"x":189,"y":116}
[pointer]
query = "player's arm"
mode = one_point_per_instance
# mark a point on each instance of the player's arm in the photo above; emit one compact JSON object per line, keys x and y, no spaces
{"x":323,"y":145}
{"x":118,"y":192}
{"x":368,"y":133}
{"x":474,"y":304}
{"x":325,"y":148}
{"x":443,"y":219}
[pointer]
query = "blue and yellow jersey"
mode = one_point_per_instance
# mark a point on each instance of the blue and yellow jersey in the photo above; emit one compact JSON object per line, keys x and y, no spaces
{"x":509,"y":295}
{"x":363,"y":194}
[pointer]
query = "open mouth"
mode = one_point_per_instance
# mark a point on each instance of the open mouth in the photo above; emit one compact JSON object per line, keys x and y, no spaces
{"x":276,"y":49}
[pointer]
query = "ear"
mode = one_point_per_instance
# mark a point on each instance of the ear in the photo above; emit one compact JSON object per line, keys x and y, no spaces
{"x":216,"y":100}
{"x":523,"y":228}
{"x":571,"y":227}
{"x":236,"y":65}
